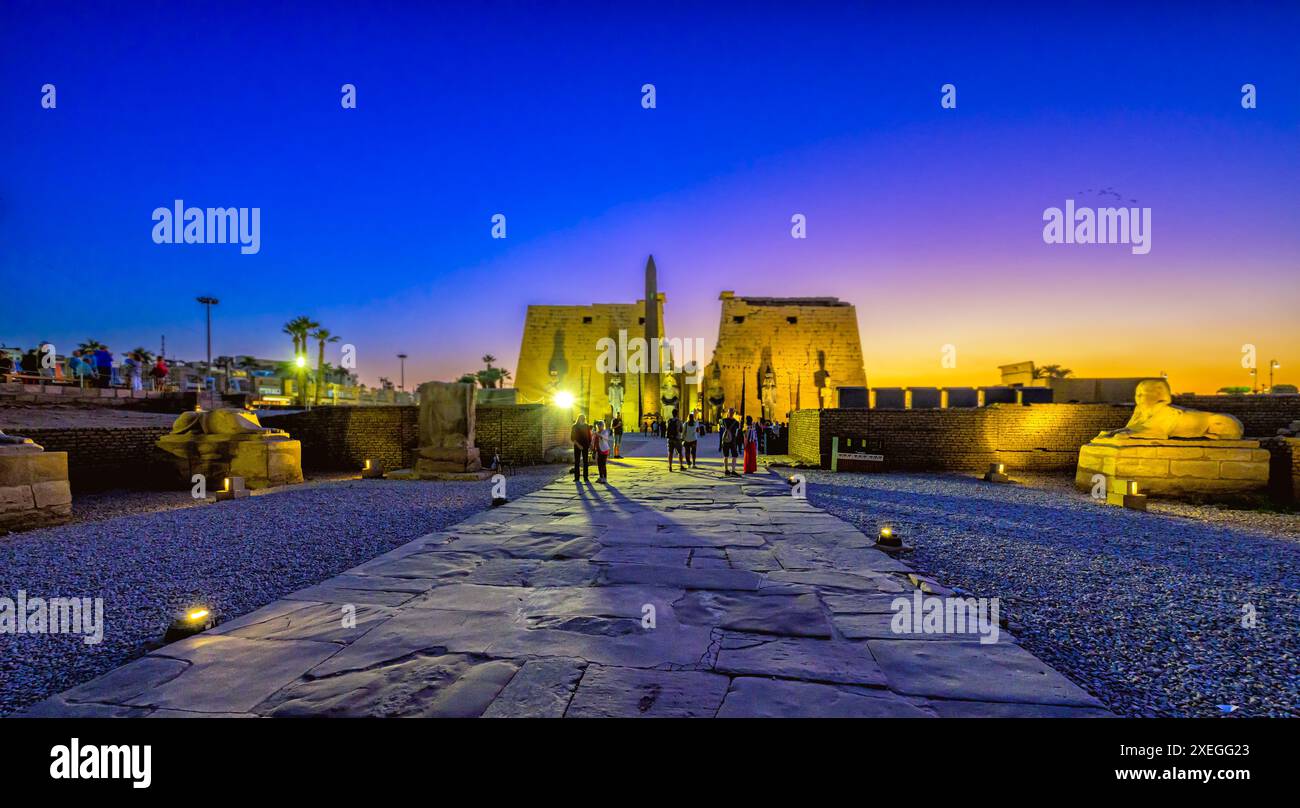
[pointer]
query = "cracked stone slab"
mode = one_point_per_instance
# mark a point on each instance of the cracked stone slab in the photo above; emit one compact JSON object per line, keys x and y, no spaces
{"x":683,"y":577}
{"x":533,"y":572}
{"x":322,"y":622}
{"x":596,"y":638}
{"x":968,"y":671}
{"x":880,"y":627}
{"x":59,"y":707}
{"x":542,"y":688}
{"x":642,"y":554}
{"x":373,"y":590}
{"x":442,"y":686}
{"x":752,"y":697}
{"x":121,"y":685}
{"x":229,"y":674}
{"x":471,"y":598}
{"x":790,"y":615}
{"x":420,"y":565}
{"x":859,"y":602}
{"x":799,"y":658}
{"x":613,"y":692}
{"x":874,"y":582}
{"x":988,"y":709}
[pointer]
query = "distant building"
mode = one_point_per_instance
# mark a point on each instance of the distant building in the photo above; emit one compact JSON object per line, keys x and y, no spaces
{"x":562,"y":345}
{"x":776,"y":355}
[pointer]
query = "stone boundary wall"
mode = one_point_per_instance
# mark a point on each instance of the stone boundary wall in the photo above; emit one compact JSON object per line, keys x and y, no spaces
{"x":147,"y":400}
{"x":1284,"y":469}
{"x":103,"y":458}
{"x":34,"y":491}
{"x":338,"y":438}
{"x":341,"y":438}
{"x":1262,"y":416}
{"x":805,"y":437}
{"x":1037,"y":437}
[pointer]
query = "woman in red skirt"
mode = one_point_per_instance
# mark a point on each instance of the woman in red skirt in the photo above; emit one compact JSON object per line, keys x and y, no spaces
{"x":751,"y":445}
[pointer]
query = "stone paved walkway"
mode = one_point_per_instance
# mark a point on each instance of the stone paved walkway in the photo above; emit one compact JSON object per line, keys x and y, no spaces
{"x":763,"y":606}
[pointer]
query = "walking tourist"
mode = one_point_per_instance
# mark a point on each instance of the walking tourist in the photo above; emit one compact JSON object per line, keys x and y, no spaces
{"x":581,"y":437}
{"x":751,"y":445}
{"x":159,"y":373}
{"x":602,"y":441}
{"x":729,"y":441}
{"x":80,"y":367}
{"x":673,"y":431}
{"x":691,"y":439}
{"x":618,"y":435}
{"x":103,"y":367}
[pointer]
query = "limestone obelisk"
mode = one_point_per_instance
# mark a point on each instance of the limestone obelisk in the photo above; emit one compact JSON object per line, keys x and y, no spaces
{"x":650,"y":402}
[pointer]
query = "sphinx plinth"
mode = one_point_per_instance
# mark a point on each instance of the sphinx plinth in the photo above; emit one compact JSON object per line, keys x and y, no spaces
{"x":447,"y":450}
{"x":34,"y":489}
{"x":1175,"y":468}
{"x":1174,"y":452}
{"x":232,"y":443}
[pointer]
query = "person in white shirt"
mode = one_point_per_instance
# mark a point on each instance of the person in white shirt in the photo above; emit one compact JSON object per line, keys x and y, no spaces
{"x":602,"y":441}
{"x":690,"y":441}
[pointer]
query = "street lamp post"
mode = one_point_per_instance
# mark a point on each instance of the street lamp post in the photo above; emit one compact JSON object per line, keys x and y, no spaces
{"x":208,"y":303}
{"x":1272,"y":366}
{"x":402,"y":377}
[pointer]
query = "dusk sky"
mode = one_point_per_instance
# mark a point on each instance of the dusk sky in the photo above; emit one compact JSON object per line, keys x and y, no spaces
{"x":376,"y":221}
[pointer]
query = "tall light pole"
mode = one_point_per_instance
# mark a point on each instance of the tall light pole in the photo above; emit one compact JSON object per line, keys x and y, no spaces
{"x":1272,"y":366}
{"x":208,"y":303}
{"x":402,"y":379}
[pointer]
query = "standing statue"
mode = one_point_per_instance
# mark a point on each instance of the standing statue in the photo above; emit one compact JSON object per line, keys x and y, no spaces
{"x":768,"y":392}
{"x":615,"y":394}
{"x":668,"y":392}
{"x":1155,"y":417}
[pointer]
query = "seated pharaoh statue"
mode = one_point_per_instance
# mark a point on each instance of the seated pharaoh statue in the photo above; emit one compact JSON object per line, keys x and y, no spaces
{"x":1156,"y":418}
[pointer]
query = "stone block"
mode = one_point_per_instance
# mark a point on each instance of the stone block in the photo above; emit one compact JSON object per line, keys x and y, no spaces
{"x":1139,"y":467}
{"x":16,"y":498}
{"x":1231,"y":470}
{"x":1175,"y":468}
{"x":1208,"y":469}
{"x":1183,"y":453}
{"x":52,"y":493}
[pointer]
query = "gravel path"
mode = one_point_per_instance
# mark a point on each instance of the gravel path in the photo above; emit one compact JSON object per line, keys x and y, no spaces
{"x":232,"y":557}
{"x":1143,"y":610}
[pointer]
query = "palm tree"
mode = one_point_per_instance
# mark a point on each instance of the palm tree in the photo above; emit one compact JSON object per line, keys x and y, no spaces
{"x":92,"y":345}
{"x":322,"y":336}
{"x":1052,"y":372}
{"x":140,"y":356}
{"x":298,"y":328}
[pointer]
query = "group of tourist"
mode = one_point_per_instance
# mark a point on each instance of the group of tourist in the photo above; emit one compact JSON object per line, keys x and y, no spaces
{"x":93,"y":367}
{"x":739,"y":443}
{"x":595,"y":441}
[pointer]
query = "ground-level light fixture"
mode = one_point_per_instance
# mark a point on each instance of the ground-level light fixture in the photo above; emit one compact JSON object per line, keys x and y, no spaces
{"x":1125,"y":494}
{"x":997,"y":473}
{"x":196,"y":619}
{"x":373,"y":469}
{"x":564,"y":400}
{"x":888,"y":537}
{"x":233,"y":488}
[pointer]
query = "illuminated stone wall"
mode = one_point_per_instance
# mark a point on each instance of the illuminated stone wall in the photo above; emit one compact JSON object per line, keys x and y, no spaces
{"x":812,"y":345}
{"x":559,"y":352}
{"x":1039,"y":437}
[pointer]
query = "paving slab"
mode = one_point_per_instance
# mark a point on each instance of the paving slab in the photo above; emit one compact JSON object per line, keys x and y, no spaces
{"x":684,"y":594}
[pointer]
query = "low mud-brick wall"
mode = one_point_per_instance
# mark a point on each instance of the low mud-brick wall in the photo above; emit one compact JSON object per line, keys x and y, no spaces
{"x":1036,"y":437}
{"x":343,"y":438}
{"x":102,"y":458}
